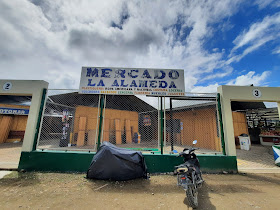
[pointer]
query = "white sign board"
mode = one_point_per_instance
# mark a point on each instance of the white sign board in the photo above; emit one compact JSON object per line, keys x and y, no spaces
{"x":132,"y":81}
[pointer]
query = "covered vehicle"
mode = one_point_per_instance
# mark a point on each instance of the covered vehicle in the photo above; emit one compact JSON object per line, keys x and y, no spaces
{"x":114,"y":163}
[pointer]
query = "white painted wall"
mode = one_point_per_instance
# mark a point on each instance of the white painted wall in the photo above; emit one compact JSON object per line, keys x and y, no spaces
{"x":242,"y":93}
{"x":32,"y":88}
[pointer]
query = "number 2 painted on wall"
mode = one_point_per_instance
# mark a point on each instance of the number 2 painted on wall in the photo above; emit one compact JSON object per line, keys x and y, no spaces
{"x":7,"y":86}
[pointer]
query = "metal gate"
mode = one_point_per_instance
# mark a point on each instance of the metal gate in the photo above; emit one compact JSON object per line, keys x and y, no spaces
{"x":73,"y":121}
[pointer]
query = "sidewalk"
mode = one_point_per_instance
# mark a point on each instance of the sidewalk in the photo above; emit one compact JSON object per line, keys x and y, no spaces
{"x":259,"y":159}
{"x":4,"y":173}
{"x":10,"y":155}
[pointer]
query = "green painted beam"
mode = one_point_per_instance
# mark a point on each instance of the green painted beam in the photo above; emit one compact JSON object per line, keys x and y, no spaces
{"x":62,"y":161}
{"x":144,"y":149}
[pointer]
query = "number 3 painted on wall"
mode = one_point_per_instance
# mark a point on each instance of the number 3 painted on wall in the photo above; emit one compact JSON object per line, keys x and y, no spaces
{"x":7,"y":86}
{"x":257,"y":93}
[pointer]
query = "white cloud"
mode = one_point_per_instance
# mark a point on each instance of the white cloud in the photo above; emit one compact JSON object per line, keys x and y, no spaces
{"x":206,"y":89}
{"x":226,"y":71}
{"x":250,"y":78}
{"x":51,"y":40}
{"x":265,"y":3}
{"x":242,"y":80}
{"x":257,"y":30}
{"x":256,"y":36}
{"x":60,"y":37}
{"x":254,"y":46}
{"x":276,"y":50}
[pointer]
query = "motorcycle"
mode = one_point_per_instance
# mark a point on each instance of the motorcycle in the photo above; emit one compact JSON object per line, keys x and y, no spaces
{"x":189,"y":175}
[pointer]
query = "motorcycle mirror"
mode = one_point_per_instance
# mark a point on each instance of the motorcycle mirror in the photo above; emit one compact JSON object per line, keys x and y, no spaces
{"x":194,"y":142}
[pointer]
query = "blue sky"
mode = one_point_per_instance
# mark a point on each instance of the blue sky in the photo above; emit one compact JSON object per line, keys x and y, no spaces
{"x":260,"y":60}
{"x":226,"y":42}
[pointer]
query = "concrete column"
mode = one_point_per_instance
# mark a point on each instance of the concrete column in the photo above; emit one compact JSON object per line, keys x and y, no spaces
{"x":32,"y":121}
{"x":228,"y":125}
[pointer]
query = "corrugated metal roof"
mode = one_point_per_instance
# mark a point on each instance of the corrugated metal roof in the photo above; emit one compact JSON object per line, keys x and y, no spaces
{"x":127,"y":102}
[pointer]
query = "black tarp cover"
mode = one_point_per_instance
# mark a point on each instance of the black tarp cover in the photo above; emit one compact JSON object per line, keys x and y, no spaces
{"x":114,"y":163}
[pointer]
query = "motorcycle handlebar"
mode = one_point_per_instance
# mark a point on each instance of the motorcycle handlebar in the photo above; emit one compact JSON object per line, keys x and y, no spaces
{"x":191,"y":151}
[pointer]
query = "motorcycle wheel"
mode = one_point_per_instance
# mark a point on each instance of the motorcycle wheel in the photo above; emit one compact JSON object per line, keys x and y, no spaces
{"x":192,"y":195}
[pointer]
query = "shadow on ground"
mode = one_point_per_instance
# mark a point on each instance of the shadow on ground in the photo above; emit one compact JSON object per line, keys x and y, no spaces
{"x":264,"y":178}
{"x":203,"y":199}
{"x":169,"y":186}
{"x":16,"y":179}
{"x":136,"y":186}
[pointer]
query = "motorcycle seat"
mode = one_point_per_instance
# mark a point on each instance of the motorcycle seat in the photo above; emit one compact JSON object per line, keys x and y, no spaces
{"x":181,"y":170}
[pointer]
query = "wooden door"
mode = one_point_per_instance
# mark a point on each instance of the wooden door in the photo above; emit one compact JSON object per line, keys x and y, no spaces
{"x":118,"y":131}
{"x":5,"y":127}
{"x":81,"y":133}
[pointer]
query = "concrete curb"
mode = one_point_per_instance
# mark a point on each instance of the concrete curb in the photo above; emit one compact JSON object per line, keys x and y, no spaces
{"x":4,"y":173}
{"x":259,"y":170}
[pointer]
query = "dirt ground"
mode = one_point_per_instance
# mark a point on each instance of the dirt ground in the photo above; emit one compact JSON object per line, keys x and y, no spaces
{"x":73,"y":191}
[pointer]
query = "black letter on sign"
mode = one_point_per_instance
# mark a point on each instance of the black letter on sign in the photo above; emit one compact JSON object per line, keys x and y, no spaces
{"x":173,"y":74}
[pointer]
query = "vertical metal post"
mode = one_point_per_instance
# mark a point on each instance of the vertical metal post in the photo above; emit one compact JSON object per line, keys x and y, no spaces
{"x":101,"y":140}
{"x":161,"y":126}
{"x":97,"y":124}
{"x":101,"y":106}
{"x":171,"y":126}
{"x":164,"y":122}
{"x":158,"y":122}
{"x":71,"y":140}
{"x":221,"y":123}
